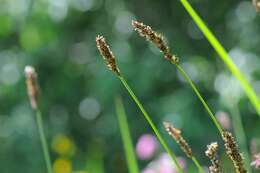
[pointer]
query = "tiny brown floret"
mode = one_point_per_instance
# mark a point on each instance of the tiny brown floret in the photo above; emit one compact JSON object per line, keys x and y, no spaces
{"x":211,"y":153}
{"x":156,"y":38}
{"x":107,"y":54}
{"x":176,"y":134}
{"x":233,"y":152}
{"x":32,"y":85}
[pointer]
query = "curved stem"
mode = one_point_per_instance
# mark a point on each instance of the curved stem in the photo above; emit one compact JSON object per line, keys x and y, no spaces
{"x":201,"y":170}
{"x":187,"y":78}
{"x":43,"y":140}
{"x":149,"y":120}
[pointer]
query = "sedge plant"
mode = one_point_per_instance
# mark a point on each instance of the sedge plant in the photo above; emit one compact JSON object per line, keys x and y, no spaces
{"x":157,"y":39}
{"x":223,"y":54}
{"x":33,"y":93}
{"x":111,"y":64}
{"x":126,"y":136}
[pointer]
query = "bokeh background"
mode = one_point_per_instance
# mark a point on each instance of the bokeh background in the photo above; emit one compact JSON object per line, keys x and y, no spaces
{"x":57,"y":37}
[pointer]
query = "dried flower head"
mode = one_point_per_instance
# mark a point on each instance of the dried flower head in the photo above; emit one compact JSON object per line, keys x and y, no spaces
{"x":176,"y":134}
{"x":233,"y":152}
{"x":156,"y":38}
{"x":107,"y":54}
{"x":256,"y":3}
{"x":32,"y":85}
{"x":211,"y":153}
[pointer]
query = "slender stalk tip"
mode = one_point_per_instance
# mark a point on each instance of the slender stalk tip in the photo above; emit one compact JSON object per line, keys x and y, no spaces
{"x":211,"y":153}
{"x":176,"y":134}
{"x":233,"y":152}
{"x":32,"y":85}
{"x":156,"y":38}
{"x":107,"y":54}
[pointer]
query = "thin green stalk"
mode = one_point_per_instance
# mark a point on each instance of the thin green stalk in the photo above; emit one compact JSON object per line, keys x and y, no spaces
{"x":43,"y":140}
{"x":240,"y":134}
{"x":201,"y":170}
{"x":149,"y":120}
{"x":187,"y":78}
{"x":223,"y":55}
{"x":126,"y":137}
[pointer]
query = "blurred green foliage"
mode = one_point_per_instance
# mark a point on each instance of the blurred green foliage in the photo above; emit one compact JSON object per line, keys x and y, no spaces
{"x":77,"y":91}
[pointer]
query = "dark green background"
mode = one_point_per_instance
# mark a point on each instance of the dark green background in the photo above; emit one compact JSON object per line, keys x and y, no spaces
{"x":58,"y":38}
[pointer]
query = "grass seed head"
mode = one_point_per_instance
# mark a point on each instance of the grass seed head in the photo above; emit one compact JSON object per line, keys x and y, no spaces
{"x":32,"y":85}
{"x":176,"y":134}
{"x":211,"y":153}
{"x":107,"y":54}
{"x":154,"y":37}
{"x":233,"y":152}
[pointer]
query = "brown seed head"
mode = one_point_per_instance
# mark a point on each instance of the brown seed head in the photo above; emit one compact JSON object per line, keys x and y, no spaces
{"x":107,"y":54}
{"x":233,"y":152}
{"x":176,"y":134}
{"x":212,"y":150}
{"x":156,"y":38}
{"x":211,"y":153}
{"x":256,"y":3}
{"x":32,"y":85}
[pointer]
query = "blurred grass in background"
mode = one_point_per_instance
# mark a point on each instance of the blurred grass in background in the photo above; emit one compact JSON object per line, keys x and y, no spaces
{"x":77,"y":91}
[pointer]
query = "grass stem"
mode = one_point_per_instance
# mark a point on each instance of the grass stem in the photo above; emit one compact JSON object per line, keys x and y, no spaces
{"x":187,"y":78}
{"x":43,"y":140}
{"x":201,"y":170}
{"x":149,"y":120}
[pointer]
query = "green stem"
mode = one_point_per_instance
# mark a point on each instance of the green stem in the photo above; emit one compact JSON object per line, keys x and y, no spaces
{"x":126,"y":137}
{"x":201,"y":170}
{"x":149,"y":120}
{"x":43,"y":140}
{"x":223,"y":55}
{"x":240,"y":134}
{"x":187,"y":78}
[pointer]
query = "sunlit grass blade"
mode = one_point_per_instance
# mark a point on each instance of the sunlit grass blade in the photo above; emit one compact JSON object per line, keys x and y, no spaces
{"x":126,"y":136}
{"x":223,"y":55}
{"x":151,"y":123}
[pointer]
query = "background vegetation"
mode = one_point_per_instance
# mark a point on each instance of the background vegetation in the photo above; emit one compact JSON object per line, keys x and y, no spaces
{"x":77,"y":90}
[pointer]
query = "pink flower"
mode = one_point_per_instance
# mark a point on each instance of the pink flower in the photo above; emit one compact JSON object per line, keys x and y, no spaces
{"x":167,"y":165}
{"x":224,"y":119}
{"x":256,"y":162}
{"x":146,"y":146}
{"x":148,"y":171}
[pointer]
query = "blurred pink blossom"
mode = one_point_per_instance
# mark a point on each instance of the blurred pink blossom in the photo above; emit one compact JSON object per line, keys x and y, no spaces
{"x":224,"y":119}
{"x":256,"y":162}
{"x":146,"y":146}
{"x":167,"y":165}
{"x":148,"y":171}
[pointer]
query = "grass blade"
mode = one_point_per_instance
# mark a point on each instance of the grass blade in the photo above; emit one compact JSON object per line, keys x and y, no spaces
{"x":224,"y":56}
{"x":126,"y":137}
